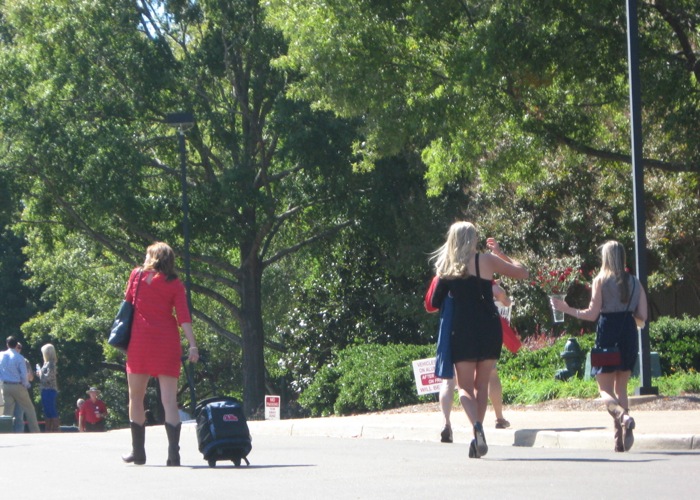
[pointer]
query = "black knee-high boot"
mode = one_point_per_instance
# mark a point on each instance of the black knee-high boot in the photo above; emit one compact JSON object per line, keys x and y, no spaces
{"x":138,"y":450}
{"x":173,"y":432}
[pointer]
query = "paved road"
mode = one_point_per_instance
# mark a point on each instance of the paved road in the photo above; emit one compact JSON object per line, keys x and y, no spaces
{"x":69,"y":466}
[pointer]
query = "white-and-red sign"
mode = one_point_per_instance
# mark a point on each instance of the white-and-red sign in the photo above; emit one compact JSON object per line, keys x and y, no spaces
{"x":424,"y":373}
{"x":272,"y":407}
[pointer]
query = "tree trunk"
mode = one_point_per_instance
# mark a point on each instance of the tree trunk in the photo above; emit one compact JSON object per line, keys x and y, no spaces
{"x":253,"y":336}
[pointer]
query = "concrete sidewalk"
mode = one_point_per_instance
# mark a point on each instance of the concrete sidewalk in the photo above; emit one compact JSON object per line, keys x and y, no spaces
{"x":655,"y":430}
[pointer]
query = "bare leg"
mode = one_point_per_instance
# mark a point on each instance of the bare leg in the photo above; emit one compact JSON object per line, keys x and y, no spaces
{"x":483,"y":375}
{"x":466,"y":373}
{"x":496,"y":397}
{"x":137,"y":392}
{"x":496,"y":394}
{"x":621,"y":380}
{"x":606,"y":387}
{"x":168,"y":396}
{"x":473,"y":381}
{"x":447,"y":391}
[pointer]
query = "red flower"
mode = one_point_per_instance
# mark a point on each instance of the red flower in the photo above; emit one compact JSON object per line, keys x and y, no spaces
{"x":557,"y":276}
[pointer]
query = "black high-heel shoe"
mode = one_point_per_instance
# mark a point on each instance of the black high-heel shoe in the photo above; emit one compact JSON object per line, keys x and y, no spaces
{"x":481,"y":446}
{"x":446,"y":435}
{"x":473,"y":453}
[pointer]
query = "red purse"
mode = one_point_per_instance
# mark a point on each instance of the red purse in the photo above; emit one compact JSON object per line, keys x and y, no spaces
{"x":427,"y":301}
{"x":510,"y":337}
{"x":606,"y":356}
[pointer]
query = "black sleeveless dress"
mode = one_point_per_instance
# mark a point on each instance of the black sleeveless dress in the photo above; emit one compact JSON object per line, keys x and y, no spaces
{"x":476,"y":325}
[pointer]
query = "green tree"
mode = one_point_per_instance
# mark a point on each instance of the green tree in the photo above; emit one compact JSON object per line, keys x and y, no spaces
{"x":499,"y":79}
{"x":366,"y":287}
{"x":88,"y":86}
{"x":514,"y":93}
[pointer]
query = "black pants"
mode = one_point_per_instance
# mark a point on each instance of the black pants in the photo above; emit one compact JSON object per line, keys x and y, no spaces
{"x":97,"y":427}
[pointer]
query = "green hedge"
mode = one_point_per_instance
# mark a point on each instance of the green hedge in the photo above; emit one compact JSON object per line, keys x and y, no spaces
{"x":678,"y":343}
{"x":374,"y":377}
{"x":366,"y":378}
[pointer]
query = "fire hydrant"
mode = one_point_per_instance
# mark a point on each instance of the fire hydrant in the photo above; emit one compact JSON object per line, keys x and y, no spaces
{"x":573,"y":357}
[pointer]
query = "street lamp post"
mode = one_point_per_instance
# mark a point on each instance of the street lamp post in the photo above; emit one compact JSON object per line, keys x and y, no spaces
{"x":183,"y":121}
{"x":638,"y":186}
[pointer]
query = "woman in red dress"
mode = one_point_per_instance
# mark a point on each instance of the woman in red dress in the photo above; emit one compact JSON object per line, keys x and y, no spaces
{"x":154,"y":349}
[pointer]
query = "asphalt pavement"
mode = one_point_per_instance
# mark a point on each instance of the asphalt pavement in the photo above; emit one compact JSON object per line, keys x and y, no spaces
{"x":387,"y":455}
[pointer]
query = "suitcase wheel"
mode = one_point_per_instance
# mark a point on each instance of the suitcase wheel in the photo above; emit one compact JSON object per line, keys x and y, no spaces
{"x":236,"y":462}
{"x":212,"y":463}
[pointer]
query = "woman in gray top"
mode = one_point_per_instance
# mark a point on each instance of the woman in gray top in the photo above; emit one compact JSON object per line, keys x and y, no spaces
{"x":619,"y":304}
{"x":49,"y":388}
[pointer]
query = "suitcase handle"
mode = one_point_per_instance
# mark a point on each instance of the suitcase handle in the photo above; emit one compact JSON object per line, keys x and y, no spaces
{"x":204,"y":403}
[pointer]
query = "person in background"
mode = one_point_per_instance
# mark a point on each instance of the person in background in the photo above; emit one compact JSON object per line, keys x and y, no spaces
{"x":155,"y":348}
{"x":477,"y":336}
{"x":93,"y":412}
{"x":619,"y":304}
{"x":48,"y":382}
{"x":15,"y":387}
{"x":78,"y":405}
{"x":19,"y":412}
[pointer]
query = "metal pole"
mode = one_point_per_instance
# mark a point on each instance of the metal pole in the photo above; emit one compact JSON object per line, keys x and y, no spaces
{"x":638,"y":187}
{"x":185,"y":214}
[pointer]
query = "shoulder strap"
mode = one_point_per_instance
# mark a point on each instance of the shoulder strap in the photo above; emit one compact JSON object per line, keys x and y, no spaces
{"x":138,"y":283}
{"x":478,"y":276}
{"x":634,"y":285}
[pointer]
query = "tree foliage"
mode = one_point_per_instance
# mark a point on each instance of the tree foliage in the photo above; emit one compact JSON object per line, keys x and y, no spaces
{"x":499,"y":87}
{"x":518,"y":96}
{"x":512,"y":115}
{"x":88,"y":86}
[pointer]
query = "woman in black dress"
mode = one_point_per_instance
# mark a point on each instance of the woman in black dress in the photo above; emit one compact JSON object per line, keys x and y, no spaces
{"x":619,"y":304}
{"x":476,"y":326}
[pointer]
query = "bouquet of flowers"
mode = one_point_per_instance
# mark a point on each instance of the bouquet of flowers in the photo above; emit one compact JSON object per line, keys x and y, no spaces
{"x":556,"y":275}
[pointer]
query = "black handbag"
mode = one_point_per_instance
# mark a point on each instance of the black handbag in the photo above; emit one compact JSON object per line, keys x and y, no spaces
{"x":120,"y":333}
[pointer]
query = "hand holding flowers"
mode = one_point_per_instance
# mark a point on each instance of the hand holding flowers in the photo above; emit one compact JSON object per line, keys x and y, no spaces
{"x":555,"y":278}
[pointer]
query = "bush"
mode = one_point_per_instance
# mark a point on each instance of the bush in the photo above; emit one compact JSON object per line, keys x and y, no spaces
{"x":366,"y":378}
{"x":678,"y":343}
{"x":379,"y":377}
{"x":679,"y":384}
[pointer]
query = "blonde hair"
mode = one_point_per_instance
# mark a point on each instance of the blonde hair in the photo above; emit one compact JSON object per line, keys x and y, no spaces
{"x":49,"y":353}
{"x":452,"y":258}
{"x":160,"y":258}
{"x":614,"y":266}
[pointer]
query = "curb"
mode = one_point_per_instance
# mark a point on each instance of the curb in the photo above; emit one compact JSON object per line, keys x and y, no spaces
{"x":530,"y":438}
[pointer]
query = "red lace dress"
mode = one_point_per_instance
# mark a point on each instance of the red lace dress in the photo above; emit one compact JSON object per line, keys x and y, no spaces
{"x":161,"y":306}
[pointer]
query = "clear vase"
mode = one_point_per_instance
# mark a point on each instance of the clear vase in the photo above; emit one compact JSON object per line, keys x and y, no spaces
{"x":558,"y":315}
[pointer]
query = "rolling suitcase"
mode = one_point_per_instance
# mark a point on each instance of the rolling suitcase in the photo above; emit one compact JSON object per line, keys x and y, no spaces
{"x":222,"y":431}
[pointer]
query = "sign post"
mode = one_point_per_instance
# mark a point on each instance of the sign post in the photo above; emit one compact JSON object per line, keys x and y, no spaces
{"x":272,"y":407}
{"x":424,"y":373}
